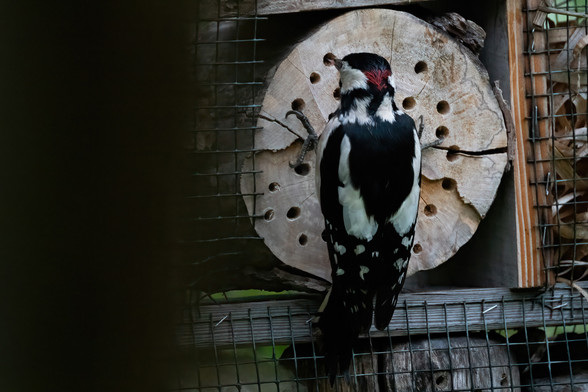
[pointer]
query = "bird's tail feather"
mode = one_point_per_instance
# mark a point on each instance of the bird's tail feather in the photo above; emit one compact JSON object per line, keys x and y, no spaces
{"x":385,"y":304}
{"x":347,"y":313}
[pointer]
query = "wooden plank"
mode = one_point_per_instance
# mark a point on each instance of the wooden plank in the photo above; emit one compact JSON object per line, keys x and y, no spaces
{"x":524,"y":217}
{"x":289,"y":321}
{"x":269,"y":7}
{"x":530,"y":268}
{"x":540,"y":16}
{"x":558,"y":35}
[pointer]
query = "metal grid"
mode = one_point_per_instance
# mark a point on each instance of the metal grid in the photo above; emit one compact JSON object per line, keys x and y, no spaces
{"x":217,"y":225}
{"x":511,"y":341}
{"x":555,"y":71}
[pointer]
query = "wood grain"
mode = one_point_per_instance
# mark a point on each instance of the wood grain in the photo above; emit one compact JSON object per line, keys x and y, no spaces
{"x":434,"y":363}
{"x":268,"y":7}
{"x":289,"y":321}
{"x":443,"y":364}
{"x":530,"y":257}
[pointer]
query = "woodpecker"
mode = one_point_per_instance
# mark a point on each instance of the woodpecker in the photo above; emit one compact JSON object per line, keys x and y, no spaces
{"x":368,"y":184}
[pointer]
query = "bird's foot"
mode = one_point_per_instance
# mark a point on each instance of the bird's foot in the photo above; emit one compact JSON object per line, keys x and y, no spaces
{"x":309,"y":143}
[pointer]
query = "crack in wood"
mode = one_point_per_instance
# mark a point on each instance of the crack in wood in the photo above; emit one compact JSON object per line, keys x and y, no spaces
{"x":280,"y":123}
{"x":508,"y":122}
{"x":492,"y":151}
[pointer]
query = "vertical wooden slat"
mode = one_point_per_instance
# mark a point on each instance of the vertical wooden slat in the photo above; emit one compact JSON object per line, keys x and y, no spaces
{"x":523,"y":198}
{"x":529,"y":177}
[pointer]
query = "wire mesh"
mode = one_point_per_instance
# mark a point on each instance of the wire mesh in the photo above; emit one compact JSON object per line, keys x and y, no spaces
{"x":217,"y":225}
{"x":511,"y":341}
{"x":555,"y":70}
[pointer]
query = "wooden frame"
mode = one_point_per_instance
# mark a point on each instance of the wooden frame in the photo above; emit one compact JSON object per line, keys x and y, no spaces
{"x":528,"y":197}
{"x":529,"y":179}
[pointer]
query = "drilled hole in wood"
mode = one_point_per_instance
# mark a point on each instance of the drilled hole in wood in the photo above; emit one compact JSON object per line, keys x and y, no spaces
{"x":421,"y":66}
{"x":417,"y":248}
{"x":298,"y":104}
{"x":337,"y":93}
{"x":448,"y":184}
{"x":269,"y":215}
{"x":303,"y":239}
{"x":504,"y":380}
{"x":430,"y":210}
{"x":303,"y":169}
{"x":408,"y":103}
{"x":327,"y":58}
{"x":293,"y":213}
{"x":439,"y":380}
{"x":452,"y":153}
{"x":443,"y":107}
{"x":442,"y":132}
{"x":315,"y":78}
{"x":274,"y":187}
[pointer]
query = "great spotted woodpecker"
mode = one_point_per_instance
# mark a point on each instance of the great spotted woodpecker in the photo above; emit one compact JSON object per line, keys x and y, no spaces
{"x":368,"y":184}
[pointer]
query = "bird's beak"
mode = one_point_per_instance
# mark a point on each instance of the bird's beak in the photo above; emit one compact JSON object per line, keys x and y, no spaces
{"x":330,"y":59}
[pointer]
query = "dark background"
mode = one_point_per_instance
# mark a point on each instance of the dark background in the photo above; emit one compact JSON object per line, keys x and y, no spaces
{"x":92,"y":100}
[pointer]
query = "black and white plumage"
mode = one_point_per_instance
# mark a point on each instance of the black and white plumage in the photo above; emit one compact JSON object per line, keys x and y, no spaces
{"x":368,"y":183}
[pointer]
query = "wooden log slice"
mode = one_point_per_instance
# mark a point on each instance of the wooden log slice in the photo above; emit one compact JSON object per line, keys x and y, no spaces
{"x":424,"y":363}
{"x":447,"y":364}
{"x":436,"y":78}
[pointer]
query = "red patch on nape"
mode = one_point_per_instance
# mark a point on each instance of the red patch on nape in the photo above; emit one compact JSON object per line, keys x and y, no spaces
{"x":378,"y":77}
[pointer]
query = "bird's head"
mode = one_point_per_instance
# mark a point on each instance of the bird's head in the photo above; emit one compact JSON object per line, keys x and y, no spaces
{"x":364,"y":71}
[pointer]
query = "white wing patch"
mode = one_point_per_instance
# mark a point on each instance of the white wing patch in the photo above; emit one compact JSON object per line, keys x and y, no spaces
{"x":406,"y":241}
{"x":357,"y":222}
{"x":359,"y":249}
{"x":324,"y":137}
{"x":405,"y":217}
{"x":343,"y":172}
{"x":362,"y":271}
{"x":340,"y":248}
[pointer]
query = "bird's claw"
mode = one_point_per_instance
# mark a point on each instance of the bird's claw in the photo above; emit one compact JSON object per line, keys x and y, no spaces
{"x":421,"y":126}
{"x":309,"y":143}
{"x":431,"y":144}
{"x":420,"y":133}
